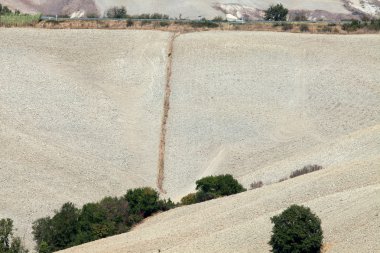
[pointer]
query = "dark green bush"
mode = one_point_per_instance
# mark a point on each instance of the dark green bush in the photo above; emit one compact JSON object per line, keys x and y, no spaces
{"x":189,"y":199}
{"x":8,"y":242}
{"x":296,"y":230}
{"x":71,"y":226}
{"x":212,"y":187}
{"x":276,"y":13}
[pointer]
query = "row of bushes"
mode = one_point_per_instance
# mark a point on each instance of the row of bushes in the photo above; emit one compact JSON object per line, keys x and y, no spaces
{"x":121,"y":13}
{"x":373,"y":25}
{"x":71,"y":226}
{"x":296,"y":229}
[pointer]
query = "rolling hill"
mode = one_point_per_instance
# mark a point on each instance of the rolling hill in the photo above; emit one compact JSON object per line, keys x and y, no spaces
{"x":81,"y":118}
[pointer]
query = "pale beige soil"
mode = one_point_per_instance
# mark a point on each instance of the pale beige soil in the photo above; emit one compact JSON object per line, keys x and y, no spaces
{"x":80,"y":117}
{"x":346,"y":198}
{"x":81,"y":114}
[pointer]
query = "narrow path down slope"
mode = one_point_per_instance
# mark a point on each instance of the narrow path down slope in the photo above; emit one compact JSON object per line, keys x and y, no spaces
{"x":165,"y":115}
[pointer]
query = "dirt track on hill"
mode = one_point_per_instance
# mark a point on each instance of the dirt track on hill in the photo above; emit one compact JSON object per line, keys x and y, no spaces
{"x":81,"y":118}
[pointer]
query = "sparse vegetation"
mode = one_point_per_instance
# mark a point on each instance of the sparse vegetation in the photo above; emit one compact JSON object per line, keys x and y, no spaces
{"x":304,"y":28}
{"x":256,"y":184}
{"x":286,"y":26}
{"x":276,"y":13}
{"x":203,"y":24}
{"x":306,"y":169}
{"x":296,"y":229}
{"x":130,"y":23}
{"x":218,"y":19}
{"x":8,"y":242}
{"x":164,"y":23}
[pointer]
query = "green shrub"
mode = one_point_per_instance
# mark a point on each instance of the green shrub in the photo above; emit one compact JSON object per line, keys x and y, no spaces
{"x":142,"y":201}
{"x":217,"y":186}
{"x":8,"y":242}
{"x":296,"y":229}
{"x":189,"y":199}
{"x":276,"y":13}
{"x":304,"y":28}
{"x":306,"y":169}
{"x":71,"y":226}
{"x":352,"y":26}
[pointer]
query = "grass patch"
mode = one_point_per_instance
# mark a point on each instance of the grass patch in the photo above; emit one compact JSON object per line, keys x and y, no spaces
{"x":10,"y":20}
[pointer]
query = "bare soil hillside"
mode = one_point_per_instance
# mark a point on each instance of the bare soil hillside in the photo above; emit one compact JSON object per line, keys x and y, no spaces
{"x":80,"y":117}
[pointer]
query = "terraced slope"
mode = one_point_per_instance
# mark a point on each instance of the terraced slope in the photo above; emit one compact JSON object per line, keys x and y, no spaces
{"x":80,"y":117}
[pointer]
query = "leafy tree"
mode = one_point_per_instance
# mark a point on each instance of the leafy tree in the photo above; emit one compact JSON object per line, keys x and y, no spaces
{"x":65,"y":224}
{"x":276,"y":13}
{"x":143,"y":201}
{"x":117,"y":12}
{"x":216,"y":186}
{"x":9,"y":243}
{"x":42,"y":232}
{"x":296,"y":230}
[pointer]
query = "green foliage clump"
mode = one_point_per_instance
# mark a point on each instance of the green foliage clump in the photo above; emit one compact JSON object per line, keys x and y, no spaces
{"x":296,"y":230}
{"x":189,"y":199}
{"x":71,"y":226}
{"x":8,"y":242}
{"x":117,"y":12}
{"x":276,"y":13}
{"x":352,"y":26}
{"x":213,"y":187}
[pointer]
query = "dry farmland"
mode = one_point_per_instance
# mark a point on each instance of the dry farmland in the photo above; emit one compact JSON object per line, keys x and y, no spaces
{"x":81,"y":118}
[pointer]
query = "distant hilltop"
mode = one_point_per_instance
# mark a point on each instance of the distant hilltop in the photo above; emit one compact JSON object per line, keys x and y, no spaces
{"x":249,"y":9}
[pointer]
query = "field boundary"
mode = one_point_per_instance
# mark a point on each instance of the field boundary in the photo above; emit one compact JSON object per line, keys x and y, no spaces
{"x":165,"y":115}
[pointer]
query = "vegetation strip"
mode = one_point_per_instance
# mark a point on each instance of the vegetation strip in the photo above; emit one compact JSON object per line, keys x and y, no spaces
{"x":165,"y":115}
